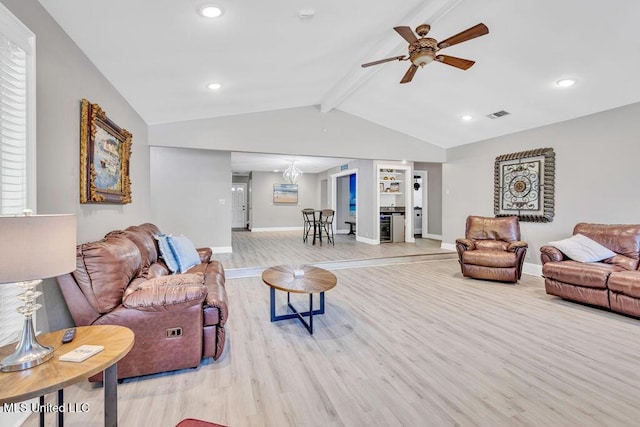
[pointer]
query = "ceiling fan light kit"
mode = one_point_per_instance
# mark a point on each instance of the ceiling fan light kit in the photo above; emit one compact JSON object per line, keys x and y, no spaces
{"x":423,"y":50}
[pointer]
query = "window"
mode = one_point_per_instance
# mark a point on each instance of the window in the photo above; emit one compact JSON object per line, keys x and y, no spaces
{"x":17,"y":143}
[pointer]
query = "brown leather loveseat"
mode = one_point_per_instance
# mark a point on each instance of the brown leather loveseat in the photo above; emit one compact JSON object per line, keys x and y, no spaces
{"x":492,"y":249}
{"x":177,"y":319}
{"x":612,"y":283}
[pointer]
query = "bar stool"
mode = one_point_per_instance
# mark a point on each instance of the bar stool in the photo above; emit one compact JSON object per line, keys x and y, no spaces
{"x":326,"y":224}
{"x":309,"y":218}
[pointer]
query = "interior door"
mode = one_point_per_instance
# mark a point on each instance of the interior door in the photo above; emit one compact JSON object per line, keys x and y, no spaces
{"x":239,"y":205}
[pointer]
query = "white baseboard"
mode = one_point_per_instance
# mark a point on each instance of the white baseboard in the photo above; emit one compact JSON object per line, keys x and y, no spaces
{"x":532,"y":269}
{"x":448,"y":246}
{"x":367,"y":241}
{"x":432,"y":236}
{"x":222,"y":250}
{"x":264,"y":229}
{"x":342,"y":231}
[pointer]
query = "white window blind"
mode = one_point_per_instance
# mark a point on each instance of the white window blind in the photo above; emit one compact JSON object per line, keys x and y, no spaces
{"x":17,"y":144}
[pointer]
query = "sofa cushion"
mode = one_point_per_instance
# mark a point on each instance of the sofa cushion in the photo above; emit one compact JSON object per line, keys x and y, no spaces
{"x":104,"y":269}
{"x":482,"y":228}
{"x":166,"y":293}
{"x":592,"y":275}
{"x":489,"y":258}
{"x":623,"y":261}
{"x":166,"y":253}
{"x":583,"y":249}
{"x":625,"y":282}
{"x":145,"y":243}
{"x":184,"y":251}
{"x":494,"y":245}
{"x":621,"y":238}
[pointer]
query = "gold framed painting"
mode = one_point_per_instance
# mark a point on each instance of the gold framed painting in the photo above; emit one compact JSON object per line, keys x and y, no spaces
{"x":105,"y":149}
{"x":524,"y":185}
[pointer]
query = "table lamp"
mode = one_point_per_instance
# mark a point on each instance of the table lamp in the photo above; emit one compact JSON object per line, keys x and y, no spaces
{"x":34,"y":247}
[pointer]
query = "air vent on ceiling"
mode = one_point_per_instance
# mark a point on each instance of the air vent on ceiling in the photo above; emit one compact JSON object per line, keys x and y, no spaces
{"x":498,"y":114}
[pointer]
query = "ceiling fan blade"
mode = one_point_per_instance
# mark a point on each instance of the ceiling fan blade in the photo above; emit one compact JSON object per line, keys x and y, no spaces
{"x":461,"y":63}
{"x":408,"y":76}
{"x":406,"y":33}
{"x":382,"y":61}
{"x":468,"y":34}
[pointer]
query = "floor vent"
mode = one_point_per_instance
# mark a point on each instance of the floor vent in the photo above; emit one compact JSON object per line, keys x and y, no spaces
{"x":498,"y":114}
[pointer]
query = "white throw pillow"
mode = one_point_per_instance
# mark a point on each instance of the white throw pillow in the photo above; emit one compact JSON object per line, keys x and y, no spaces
{"x":583,"y":249}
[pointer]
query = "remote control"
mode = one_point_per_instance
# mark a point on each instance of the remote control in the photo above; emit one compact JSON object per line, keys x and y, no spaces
{"x":69,"y":335}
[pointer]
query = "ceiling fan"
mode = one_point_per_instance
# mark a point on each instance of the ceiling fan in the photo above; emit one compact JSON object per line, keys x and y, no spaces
{"x":423,"y":50}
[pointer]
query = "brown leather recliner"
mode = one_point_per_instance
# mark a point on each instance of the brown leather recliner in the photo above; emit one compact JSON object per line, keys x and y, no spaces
{"x":177,"y":319}
{"x":492,"y":249}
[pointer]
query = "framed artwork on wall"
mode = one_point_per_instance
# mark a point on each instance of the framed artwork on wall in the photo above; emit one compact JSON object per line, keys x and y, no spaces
{"x":105,"y":149}
{"x":524,"y":185}
{"x":285,"y":193}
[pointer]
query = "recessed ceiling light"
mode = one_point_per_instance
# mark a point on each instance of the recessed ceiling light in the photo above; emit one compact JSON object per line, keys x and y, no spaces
{"x":466,"y":118}
{"x":214,"y":86}
{"x":210,"y":11}
{"x":565,"y":82}
{"x":306,"y":13}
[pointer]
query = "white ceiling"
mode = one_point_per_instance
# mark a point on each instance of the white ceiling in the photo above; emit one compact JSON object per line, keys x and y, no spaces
{"x":160,"y":55}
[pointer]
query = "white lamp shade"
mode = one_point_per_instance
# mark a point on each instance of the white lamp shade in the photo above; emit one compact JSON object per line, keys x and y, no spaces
{"x":36,"y":247}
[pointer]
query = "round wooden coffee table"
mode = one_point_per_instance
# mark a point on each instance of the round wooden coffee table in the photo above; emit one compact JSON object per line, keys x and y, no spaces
{"x":314,"y":280}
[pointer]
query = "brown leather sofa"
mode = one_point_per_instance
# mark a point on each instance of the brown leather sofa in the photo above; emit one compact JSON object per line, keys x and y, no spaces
{"x":613,"y":283}
{"x":492,"y":249}
{"x":177,"y":319}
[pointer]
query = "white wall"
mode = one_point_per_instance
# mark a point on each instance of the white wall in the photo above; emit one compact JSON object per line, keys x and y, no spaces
{"x":596,"y":175}
{"x":268,"y":215}
{"x":301,"y":131}
{"x":191,"y":194}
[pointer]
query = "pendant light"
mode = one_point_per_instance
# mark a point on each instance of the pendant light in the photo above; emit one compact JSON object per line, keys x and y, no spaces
{"x":291,"y":174}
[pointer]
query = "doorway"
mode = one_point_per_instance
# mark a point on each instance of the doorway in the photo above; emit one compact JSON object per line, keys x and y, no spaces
{"x":344,"y":201}
{"x":420,"y":203}
{"x":239,"y":205}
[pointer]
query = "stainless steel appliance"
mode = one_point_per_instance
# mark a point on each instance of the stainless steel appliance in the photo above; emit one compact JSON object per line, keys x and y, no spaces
{"x":385,"y":228}
{"x":386,"y":223}
{"x":397,"y":227}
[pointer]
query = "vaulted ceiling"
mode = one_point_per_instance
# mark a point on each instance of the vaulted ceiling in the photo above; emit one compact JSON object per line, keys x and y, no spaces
{"x":161,"y":55}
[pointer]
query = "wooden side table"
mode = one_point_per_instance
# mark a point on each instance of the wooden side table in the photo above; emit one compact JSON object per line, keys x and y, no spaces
{"x":55,"y":375}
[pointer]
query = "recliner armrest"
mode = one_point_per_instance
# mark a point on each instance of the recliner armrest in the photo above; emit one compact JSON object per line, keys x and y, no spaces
{"x":467,"y":244}
{"x":205,"y":254}
{"x":513,"y":246}
{"x":550,"y":254}
{"x":165,"y":296}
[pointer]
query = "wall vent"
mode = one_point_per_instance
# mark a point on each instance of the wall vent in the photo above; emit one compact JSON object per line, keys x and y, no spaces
{"x":498,"y":114}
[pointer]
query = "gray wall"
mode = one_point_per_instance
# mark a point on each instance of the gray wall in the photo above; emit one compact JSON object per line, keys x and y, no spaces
{"x":191,"y":194}
{"x":596,"y":175}
{"x":301,"y":131}
{"x":65,"y":76}
{"x":434,"y":195}
{"x":267,"y":214}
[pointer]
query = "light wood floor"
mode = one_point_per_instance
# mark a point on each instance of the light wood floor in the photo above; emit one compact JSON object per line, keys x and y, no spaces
{"x":272,"y":248}
{"x":401,"y":345}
